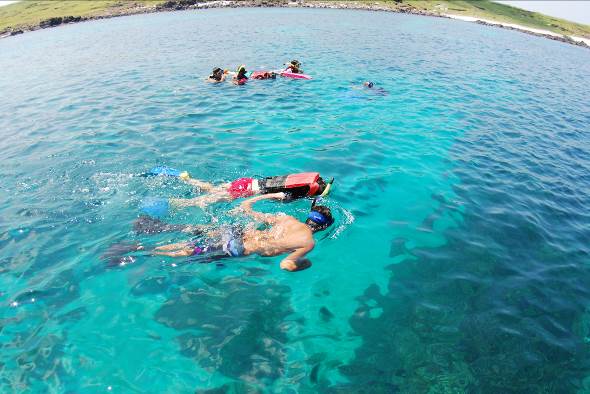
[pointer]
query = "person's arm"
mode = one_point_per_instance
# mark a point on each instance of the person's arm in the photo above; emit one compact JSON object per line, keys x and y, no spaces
{"x":246,"y":207}
{"x":296,"y":261}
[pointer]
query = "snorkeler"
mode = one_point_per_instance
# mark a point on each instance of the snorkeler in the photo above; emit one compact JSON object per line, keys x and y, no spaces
{"x":294,"y":66}
{"x":240,"y":77}
{"x":376,"y":90}
{"x":306,"y":184}
{"x":217,"y":75}
{"x":285,"y":234}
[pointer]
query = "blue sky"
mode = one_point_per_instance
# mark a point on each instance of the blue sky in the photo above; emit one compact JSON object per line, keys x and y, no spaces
{"x":577,"y":11}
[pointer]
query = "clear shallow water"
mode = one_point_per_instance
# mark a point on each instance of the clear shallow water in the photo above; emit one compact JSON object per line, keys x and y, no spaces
{"x":460,"y":257}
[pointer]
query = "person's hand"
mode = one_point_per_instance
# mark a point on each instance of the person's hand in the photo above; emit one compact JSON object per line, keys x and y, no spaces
{"x":299,"y":265}
{"x":279,"y":195}
{"x":288,"y":265}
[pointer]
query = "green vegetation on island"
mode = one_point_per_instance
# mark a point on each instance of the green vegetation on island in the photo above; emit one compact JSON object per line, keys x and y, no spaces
{"x":26,"y":15}
{"x":31,"y":15}
{"x":502,"y":13}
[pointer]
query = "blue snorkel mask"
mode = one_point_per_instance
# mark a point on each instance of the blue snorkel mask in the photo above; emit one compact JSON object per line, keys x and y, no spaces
{"x":318,"y":218}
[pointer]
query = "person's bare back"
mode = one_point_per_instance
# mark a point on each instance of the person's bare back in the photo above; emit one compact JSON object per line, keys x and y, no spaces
{"x":286,"y":235}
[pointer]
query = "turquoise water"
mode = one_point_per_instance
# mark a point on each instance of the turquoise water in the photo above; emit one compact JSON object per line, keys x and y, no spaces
{"x":458,"y":261}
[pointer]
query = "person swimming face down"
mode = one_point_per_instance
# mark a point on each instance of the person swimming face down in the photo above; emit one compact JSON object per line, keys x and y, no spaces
{"x":368,"y":84}
{"x":295,"y":186}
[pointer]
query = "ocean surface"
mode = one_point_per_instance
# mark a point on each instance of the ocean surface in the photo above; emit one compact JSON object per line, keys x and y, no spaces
{"x":460,"y":256}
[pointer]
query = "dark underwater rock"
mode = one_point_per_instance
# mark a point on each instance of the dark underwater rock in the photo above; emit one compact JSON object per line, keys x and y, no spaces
{"x":241,"y":326}
{"x":325,"y":314}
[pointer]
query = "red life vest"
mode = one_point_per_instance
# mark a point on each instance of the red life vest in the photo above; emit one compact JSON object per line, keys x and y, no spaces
{"x":304,"y":184}
{"x":309,"y":179}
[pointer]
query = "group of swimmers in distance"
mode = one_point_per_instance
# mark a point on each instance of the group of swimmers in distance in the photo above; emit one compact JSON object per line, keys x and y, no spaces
{"x":293,"y":68}
{"x":281,"y":233}
{"x":240,"y":76}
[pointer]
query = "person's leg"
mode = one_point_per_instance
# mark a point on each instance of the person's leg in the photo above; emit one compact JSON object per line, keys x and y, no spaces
{"x":205,"y":186}
{"x":183,"y":251}
{"x":174,"y":246}
{"x":202,"y":201}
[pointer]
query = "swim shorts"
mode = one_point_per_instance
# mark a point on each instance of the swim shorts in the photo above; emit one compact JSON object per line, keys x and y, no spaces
{"x":241,"y":188}
{"x":230,"y":243}
{"x":232,"y":240}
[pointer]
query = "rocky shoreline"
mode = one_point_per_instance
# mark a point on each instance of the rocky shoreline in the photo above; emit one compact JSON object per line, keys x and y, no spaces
{"x":178,"y":5}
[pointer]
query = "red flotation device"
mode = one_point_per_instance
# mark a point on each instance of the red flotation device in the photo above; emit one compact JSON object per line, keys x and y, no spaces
{"x":309,"y":179}
{"x":304,"y":184}
{"x":263,"y":75}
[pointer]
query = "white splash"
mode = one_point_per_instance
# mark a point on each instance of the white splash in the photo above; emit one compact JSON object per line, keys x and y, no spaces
{"x":347,"y":221}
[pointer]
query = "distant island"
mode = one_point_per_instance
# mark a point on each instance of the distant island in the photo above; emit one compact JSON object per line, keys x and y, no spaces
{"x":24,"y":16}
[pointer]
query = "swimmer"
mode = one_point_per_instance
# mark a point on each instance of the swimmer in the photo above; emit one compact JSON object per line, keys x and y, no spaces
{"x":294,"y":66}
{"x":306,"y":184}
{"x":217,"y":75}
{"x":240,"y":77}
{"x":285,"y":234}
{"x":376,"y":90}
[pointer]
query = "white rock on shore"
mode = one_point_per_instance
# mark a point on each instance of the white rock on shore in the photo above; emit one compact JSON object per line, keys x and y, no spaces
{"x":518,"y":27}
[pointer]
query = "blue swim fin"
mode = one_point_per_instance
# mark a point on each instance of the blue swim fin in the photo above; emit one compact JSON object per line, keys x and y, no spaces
{"x":155,"y":207}
{"x":165,"y":171}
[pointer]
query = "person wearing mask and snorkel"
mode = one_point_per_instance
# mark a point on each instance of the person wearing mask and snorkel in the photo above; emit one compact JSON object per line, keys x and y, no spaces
{"x":217,"y":75}
{"x":294,"y":66}
{"x":282,"y":234}
{"x":240,"y":77}
{"x":299,"y":185}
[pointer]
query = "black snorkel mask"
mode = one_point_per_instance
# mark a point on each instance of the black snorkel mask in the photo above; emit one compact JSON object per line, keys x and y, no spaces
{"x":217,"y":74}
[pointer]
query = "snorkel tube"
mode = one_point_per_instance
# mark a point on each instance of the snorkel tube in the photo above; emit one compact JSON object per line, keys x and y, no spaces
{"x":326,"y":191}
